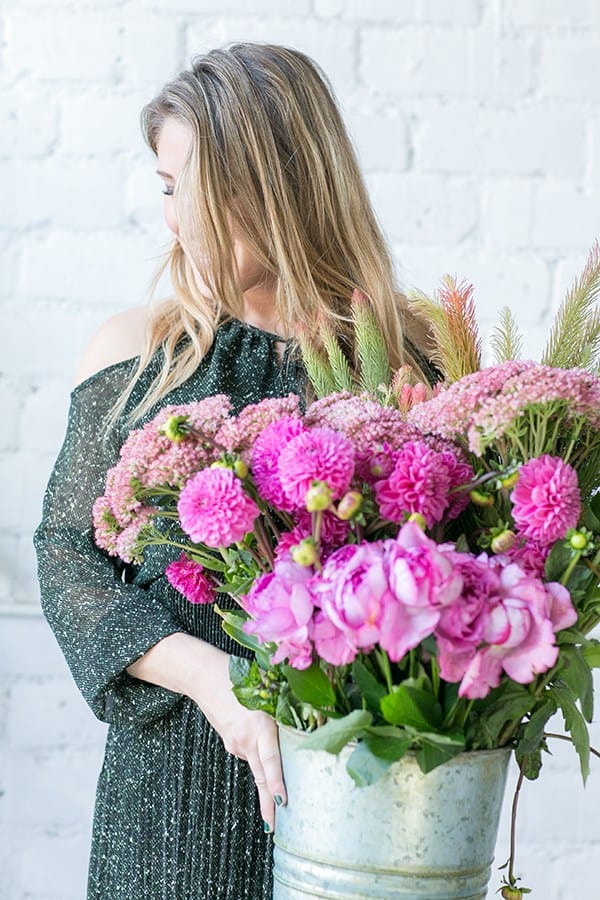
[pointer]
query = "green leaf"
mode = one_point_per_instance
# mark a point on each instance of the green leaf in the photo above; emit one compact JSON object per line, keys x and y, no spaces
{"x":576,"y":726}
{"x":247,"y":685}
{"x":311,"y":686}
{"x":591,"y":654}
{"x":529,"y":763}
{"x":336,"y":733}
{"x":577,"y":674}
{"x":533,"y":732}
{"x":507,"y":703}
{"x":371,"y":689}
{"x":411,"y":706}
{"x":558,"y":559}
{"x":365,"y":767}
{"x":437,"y":749}
{"x":387,"y":741}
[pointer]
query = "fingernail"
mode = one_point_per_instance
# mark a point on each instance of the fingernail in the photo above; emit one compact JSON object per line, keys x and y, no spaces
{"x":266,"y":827}
{"x":278,"y":799}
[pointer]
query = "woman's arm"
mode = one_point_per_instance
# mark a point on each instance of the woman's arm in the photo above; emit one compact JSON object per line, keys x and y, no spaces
{"x":191,"y":666}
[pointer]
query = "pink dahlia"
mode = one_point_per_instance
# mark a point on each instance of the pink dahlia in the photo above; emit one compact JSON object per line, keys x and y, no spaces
{"x":419,"y":482}
{"x":265,"y":459}
{"x":320,"y":454}
{"x":187,"y":577}
{"x":546,"y":499}
{"x":214,"y":508}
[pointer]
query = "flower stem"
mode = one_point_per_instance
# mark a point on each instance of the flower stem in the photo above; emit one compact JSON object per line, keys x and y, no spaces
{"x":513,"y":827}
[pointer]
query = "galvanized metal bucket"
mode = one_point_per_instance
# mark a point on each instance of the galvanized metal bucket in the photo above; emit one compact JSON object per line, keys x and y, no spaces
{"x":409,"y":835}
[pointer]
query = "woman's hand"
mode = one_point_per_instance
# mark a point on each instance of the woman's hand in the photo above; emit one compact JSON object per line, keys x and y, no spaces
{"x":191,"y":666}
{"x":250,"y":735}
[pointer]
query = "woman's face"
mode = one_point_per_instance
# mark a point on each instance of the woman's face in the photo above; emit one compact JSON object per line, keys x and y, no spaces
{"x":173,"y":146}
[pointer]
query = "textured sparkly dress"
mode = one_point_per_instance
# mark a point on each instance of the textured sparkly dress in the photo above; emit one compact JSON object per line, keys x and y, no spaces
{"x":176,"y":816}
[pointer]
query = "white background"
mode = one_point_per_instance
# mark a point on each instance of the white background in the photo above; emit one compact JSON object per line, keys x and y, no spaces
{"x":477,"y":123}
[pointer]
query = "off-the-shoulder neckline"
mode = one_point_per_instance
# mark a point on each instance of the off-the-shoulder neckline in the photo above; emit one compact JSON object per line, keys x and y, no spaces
{"x":91,"y":378}
{"x":271,"y":336}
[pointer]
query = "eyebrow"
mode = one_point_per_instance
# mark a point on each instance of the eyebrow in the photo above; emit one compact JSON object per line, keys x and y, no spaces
{"x":164,"y":174}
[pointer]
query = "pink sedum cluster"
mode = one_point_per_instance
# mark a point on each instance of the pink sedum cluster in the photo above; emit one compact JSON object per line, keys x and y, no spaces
{"x":487,"y":403}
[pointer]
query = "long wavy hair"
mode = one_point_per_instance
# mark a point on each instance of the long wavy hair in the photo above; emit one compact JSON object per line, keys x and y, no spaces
{"x":270,"y":149}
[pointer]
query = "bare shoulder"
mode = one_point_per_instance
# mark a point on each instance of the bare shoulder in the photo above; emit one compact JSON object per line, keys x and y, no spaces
{"x":119,"y":338}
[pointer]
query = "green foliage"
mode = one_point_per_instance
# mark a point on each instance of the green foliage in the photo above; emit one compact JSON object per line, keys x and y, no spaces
{"x":311,"y":686}
{"x":371,"y":350}
{"x":251,"y":686}
{"x":575,"y":724}
{"x":506,"y":341}
{"x":575,"y":335}
{"x":410,"y":706}
{"x":336,"y":733}
{"x":317,"y":368}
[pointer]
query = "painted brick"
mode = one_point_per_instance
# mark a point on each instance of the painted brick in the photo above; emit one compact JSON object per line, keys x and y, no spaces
{"x":111,"y":267}
{"x":414,"y":61}
{"x":565,"y":67}
{"x":28,"y":122}
{"x":332,"y":45}
{"x":423,"y":207}
{"x":536,"y":141}
{"x":358,"y":10}
{"x":383,"y":141}
{"x":565,"y":216}
{"x":507,"y":210}
{"x":551,"y":13}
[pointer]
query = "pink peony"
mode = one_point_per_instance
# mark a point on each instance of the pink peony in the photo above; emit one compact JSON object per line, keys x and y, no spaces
{"x":546,"y":499}
{"x":518,"y":634}
{"x":461,"y":624}
{"x":423,"y":579}
{"x":316,"y":455}
{"x":214,"y":508}
{"x":332,"y":644}
{"x":265,"y":458}
{"x":352,"y":590}
{"x":419,"y":482}
{"x":187,"y":577}
{"x":281,"y":606}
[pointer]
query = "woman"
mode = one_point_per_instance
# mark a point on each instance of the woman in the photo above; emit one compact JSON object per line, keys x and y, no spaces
{"x":273,"y":232}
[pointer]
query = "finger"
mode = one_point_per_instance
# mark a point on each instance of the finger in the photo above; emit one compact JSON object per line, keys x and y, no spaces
{"x":268,"y":749}
{"x":265,"y":798}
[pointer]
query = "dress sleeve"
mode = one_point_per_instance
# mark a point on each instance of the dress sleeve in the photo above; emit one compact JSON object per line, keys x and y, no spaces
{"x":101,"y":623}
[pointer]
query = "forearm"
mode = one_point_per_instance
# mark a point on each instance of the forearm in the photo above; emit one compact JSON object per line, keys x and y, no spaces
{"x":185,"y":664}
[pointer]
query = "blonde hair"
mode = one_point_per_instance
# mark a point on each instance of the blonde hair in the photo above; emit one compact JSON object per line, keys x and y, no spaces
{"x":270,"y":149}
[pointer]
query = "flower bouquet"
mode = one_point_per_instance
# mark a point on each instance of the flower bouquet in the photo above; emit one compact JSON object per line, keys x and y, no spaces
{"x":415,"y":569}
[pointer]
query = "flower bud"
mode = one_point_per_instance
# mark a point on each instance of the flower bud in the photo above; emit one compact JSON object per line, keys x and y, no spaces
{"x":511,"y":893}
{"x":419,"y":519}
{"x":264,"y":694}
{"x":480,"y":498}
{"x":240,"y":468}
{"x":349,"y":505}
{"x":175,"y":428}
{"x":510,"y":480}
{"x":305,"y":553}
{"x":380,"y":465}
{"x":219,"y":464}
{"x":578,"y":540}
{"x":504,"y":541}
{"x":318,"y":496}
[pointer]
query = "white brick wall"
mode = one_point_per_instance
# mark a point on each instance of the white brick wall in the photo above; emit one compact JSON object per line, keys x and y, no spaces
{"x":478,"y":126}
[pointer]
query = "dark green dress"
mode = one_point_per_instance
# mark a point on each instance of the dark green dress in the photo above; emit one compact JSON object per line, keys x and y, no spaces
{"x":176,"y":815}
